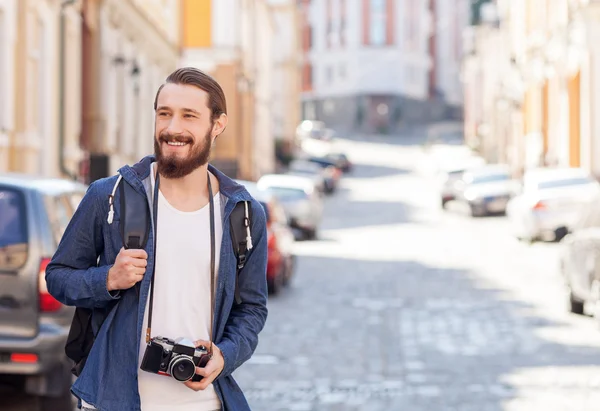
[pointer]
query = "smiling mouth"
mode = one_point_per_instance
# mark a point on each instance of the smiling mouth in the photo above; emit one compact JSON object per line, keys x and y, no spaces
{"x":176,"y":143}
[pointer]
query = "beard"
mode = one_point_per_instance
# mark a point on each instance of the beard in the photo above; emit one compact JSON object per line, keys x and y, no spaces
{"x":175,"y":167}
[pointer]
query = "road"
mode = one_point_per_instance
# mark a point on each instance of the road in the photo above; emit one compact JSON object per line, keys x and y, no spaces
{"x":402,"y":306}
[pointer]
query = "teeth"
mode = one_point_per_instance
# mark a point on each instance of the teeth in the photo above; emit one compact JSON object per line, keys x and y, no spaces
{"x":175,"y":143}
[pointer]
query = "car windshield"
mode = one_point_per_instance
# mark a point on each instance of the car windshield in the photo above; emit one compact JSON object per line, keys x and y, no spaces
{"x":288,"y":193}
{"x":488,"y":178}
{"x":565,"y":182}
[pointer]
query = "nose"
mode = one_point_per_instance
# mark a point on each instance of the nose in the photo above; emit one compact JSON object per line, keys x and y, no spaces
{"x":175,"y":126}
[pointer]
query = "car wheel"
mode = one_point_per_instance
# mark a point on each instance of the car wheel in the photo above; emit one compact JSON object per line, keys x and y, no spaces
{"x":64,"y":401}
{"x":310,"y":234}
{"x":576,"y":306}
{"x":275,"y":284}
{"x":476,"y":211}
{"x":560,"y":233}
{"x":289,"y":270}
{"x":444,"y":202}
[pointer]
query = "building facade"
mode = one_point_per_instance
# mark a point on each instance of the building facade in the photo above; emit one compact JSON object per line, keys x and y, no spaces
{"x":130,"y":47}
{"x":532,"y":101}
{"x":286,"y":70}
{"x":40,"y":119}
{"x":239,"y":56}
{"x":369,"y":64}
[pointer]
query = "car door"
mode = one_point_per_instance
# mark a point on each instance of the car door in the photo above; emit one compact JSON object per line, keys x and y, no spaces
{"x":20,"y":262}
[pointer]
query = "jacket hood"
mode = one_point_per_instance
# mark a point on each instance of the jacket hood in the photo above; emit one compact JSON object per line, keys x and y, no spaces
{"x":140,"y":171}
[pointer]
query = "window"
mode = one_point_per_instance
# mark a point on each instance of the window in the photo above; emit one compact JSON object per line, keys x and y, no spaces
{"x":328,"y":74}
{"x":412,"y":25}
{"x":565,"y":182}
{"x":378,"y":23}
{"x":60,"y":212}
{"x":14,"y":236}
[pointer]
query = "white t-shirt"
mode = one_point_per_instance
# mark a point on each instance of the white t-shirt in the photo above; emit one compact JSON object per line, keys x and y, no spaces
{"x":181,"y":300}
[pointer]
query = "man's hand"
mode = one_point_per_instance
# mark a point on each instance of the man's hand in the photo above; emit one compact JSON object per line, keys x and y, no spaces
{"x":211,"y":371}
{"x":128,"y":269}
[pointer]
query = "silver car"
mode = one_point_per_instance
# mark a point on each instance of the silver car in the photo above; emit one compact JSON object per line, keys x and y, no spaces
{"x":34,"y":213}
{"x":552,"y":202}
{"x":300,"y":199}
{"x":305,"y":168}
{"x":486,"y":189}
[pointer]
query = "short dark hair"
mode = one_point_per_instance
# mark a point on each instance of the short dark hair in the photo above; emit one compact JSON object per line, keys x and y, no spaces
{"x":192,"y":76}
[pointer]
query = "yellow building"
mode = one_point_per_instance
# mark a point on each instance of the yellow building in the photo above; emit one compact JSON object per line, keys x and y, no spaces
{"x":41,"y":88}
{"x":238,"y":55}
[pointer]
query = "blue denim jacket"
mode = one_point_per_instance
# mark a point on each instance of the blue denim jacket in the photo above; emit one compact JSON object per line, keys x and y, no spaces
{"x":77,"y":276}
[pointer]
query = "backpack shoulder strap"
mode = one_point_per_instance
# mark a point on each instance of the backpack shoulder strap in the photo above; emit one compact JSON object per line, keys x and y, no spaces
{"x":240,"y":224}
{"x":135,"y":217}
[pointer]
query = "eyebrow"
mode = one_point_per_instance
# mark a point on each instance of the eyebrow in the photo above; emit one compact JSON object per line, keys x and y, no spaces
{"x":186,"y":110}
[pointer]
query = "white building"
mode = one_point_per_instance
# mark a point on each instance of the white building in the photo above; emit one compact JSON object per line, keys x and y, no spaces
{"x":368,"y":64}
{"x":285,"y":95}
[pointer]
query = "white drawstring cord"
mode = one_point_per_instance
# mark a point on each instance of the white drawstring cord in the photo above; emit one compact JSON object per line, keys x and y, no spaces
{"x":111,"y":200}
{"x":248,"y":235}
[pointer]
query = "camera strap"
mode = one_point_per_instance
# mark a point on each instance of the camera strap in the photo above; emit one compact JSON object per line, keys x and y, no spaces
{"x":212,"y":257}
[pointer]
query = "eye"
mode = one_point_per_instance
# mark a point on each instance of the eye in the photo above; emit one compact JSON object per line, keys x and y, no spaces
{"x":163,"y":114}
{"x":189,"y":116}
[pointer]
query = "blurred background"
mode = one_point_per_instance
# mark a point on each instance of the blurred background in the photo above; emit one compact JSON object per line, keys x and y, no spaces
{"x":429,"y":170}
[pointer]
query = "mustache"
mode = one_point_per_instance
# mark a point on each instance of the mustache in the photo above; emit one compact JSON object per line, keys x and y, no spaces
{"x":174,"y":138}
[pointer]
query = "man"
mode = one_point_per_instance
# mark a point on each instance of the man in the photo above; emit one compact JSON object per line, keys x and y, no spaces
{"x":91,"y":269}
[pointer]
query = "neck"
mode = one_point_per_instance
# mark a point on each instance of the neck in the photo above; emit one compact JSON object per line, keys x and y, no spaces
{"x":193,"y":184}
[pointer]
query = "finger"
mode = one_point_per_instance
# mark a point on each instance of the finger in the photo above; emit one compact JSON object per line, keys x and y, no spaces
{"x":196,"y":386}
{"x":136,"y":253}
{"x":204,"y":343}
{"x":136,"y":270}
{"x":210,"y":367}
{"x":208,"y":380}
{"x":202,"y":372}
{"x":139,"y":262}
{"x":201,"y":385}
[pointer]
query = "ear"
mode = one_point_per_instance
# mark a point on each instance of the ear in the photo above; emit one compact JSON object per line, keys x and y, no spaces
{"x":219,"y":126}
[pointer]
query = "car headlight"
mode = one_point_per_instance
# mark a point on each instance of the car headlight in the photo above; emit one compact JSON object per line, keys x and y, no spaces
{"x":471,"y":196}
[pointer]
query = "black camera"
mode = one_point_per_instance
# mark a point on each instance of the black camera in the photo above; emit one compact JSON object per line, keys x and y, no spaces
{"x":177,"y":358}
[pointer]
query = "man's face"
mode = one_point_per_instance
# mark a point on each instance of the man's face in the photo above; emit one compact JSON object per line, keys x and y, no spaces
{"x":184,"y":130}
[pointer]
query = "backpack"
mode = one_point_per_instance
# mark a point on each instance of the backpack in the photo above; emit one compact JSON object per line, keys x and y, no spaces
{"x":134,"y":230}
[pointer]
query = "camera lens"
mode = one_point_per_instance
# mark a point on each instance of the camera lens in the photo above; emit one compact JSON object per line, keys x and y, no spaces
{"x":182,"y":368}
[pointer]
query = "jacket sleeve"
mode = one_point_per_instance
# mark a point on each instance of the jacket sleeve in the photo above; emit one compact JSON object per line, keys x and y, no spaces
{"x":247,"y":319}
{"x":73,"y":277}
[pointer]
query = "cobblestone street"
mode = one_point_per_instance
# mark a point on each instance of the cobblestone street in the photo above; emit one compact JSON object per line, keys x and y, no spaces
{"x":401,"y":306}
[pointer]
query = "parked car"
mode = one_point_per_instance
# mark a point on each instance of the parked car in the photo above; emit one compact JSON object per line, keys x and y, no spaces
{"x":280,"y":238}
{"x":300,"y":199}
{"x":580,"y":264}
{"x":486,"y":190}
{"x":312,"y":129}
{"x":313,"y":171}
{"x":338,"y":160}
{"x":34,"y":212}
{"x":450,"y":176}
{"x":551,"y":202}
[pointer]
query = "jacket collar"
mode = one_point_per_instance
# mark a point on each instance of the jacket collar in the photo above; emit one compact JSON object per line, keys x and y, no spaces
{"x":136,"y":174}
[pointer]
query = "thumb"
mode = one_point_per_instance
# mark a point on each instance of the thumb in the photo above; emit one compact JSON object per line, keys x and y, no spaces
{"x":204,"y":343}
